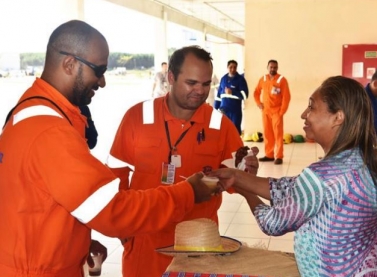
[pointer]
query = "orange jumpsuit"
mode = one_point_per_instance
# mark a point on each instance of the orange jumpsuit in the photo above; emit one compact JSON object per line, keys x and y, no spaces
{"x":276,"y":97}
{"x":141,"y":144}
{"x":53,"y":191}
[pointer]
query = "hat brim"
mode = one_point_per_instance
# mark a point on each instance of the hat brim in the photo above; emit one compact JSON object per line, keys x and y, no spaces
{"x":229,"y":245}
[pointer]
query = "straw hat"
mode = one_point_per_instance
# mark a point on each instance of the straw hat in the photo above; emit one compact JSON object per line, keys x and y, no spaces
{"x":199,"y":237}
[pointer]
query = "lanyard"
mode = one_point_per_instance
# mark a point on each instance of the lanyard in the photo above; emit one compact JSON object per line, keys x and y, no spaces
{"x":174,"y":147}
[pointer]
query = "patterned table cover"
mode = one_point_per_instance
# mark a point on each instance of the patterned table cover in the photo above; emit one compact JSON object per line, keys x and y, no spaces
{"x":189,"y":274}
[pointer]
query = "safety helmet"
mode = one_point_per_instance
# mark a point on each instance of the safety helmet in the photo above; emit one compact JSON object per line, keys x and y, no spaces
{"x":257,"y":137}
{"x":287,"y":138}
{"x":298,"y":138}
{"x":247,"y":137}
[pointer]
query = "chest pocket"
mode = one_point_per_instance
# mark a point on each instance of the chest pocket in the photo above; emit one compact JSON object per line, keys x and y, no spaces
{"x":208,"y":154}
{"x":275,"y":90}
{"x":145,"y":149}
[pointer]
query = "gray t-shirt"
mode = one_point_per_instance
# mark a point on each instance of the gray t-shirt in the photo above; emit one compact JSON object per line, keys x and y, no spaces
{"x":161,"y":83}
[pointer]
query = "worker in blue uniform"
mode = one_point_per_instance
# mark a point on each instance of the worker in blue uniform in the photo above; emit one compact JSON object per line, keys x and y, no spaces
{"x":371,"y":89}
{"x":232,"y":91}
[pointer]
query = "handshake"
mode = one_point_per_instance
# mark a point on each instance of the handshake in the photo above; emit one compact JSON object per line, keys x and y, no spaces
{"x":206,"y":186}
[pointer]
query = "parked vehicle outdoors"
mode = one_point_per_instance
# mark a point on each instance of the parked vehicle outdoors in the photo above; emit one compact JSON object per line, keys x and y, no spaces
{"x":3,"y":73}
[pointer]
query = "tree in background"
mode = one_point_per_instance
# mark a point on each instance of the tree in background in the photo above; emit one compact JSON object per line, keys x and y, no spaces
{"x":116,"y":59}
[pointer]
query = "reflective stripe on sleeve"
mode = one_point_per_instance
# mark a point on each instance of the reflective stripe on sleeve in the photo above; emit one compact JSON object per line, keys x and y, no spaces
{"x":113,"y":162}
{"x":215,"y":122}
{"x":230,"y":96}
{"x":148,"y":112}
{"x":34,"y":111}
{"x":217,"y":98}
{"x":243,"y":95}
{"x":265,"y":78}
{"x":279,"y":79}
{"x":95,"y":203}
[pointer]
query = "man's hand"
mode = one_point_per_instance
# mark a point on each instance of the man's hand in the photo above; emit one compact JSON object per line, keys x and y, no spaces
{"x":261,"y":106}
{"x":201,"y":191}
{"x":96,"y":248}
{"x":228,"y":91}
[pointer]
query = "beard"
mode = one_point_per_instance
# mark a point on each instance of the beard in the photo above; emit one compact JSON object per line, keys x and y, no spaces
{"x":81,"y":96}
{"x":273,"y":72}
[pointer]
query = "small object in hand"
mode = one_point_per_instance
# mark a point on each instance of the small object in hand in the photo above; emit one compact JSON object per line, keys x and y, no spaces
{"x":240,"y":154}
{"x":97,"y":268}
{"x":211,"y":182}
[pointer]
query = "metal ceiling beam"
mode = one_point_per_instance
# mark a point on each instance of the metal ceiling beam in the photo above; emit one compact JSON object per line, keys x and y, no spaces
{"x":175,"y":16}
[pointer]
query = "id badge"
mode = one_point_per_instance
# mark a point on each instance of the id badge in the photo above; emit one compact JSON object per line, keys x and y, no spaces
{"x":168,"y":173}
{"x":176,"y":160}
{"x":275,"y":90}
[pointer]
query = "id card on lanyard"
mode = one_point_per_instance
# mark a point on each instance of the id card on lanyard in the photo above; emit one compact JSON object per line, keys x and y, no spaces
{"x":168,"y":173}
{"x":175,"y":161}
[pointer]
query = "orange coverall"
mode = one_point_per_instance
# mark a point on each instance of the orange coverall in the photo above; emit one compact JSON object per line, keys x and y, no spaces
{"x":276,"y":97}
{"x":53,"y":191}
{"x":141,"y":144}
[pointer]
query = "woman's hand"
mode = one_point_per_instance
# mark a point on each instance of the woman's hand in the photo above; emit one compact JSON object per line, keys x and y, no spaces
{"x":227,"y":177}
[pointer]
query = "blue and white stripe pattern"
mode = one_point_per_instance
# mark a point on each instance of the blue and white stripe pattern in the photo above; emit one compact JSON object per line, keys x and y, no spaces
{"x":332,"y":206}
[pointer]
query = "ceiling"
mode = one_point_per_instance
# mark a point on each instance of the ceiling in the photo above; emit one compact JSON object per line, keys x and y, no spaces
{"x":224,"y":19}
{"x":228,"y":15}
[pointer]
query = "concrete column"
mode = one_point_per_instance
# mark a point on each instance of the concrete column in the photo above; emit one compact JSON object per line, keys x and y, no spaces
{"x":161,"y":49}
{"x":80,"y":10}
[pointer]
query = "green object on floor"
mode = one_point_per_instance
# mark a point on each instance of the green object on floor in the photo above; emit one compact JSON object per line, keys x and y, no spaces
{"x":298,"y":138}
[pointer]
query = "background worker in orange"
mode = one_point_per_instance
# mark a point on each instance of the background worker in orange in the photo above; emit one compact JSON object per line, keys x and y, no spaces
{"x":52,"y":190}
{"x":178,"y":133}
{"x":274,"y":104}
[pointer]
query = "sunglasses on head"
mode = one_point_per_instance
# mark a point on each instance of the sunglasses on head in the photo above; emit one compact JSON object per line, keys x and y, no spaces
{"x":99,"y":70}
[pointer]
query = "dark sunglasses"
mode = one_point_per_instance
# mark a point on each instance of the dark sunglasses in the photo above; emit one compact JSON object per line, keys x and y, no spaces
{"x":99,"y":70}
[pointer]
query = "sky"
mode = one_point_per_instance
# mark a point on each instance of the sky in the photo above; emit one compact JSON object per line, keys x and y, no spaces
{"x":25,"y":25}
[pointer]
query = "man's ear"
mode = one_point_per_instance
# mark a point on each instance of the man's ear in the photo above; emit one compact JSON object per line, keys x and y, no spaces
{"x":170,"y":77}
{"x":68,"y":65}
{"x":373,"y":85}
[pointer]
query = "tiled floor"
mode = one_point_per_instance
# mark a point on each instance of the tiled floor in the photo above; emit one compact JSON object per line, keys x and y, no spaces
{"x":236,"y":220}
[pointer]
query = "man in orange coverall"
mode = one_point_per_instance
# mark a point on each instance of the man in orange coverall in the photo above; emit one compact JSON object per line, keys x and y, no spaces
{"x":166,"y":138}
{"x":274,"y":104}
{"x":52,"y":190}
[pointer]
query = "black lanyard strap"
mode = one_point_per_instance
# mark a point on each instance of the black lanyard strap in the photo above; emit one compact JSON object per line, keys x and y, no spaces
{"x":35,"y":97}
{"x":174,"y":147}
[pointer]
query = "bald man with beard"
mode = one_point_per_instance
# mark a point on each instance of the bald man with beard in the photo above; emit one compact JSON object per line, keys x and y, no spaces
{"x":52,"y":190}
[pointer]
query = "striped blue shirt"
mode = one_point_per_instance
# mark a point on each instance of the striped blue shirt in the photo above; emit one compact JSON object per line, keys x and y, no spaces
{"x":332,"y":207}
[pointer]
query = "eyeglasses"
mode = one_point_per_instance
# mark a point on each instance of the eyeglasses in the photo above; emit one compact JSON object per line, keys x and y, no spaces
{"x":99,"y":70}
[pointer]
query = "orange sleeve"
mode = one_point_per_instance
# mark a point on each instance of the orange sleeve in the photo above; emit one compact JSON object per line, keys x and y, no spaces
{"x":286,"y":96}
{"x":257,"y":92}
{"x":72,"y":175}
{"x":124,"y":136}
{"x":139,"y":212}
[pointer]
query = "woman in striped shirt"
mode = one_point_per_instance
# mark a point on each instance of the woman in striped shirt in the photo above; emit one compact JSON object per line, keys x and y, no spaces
{"x":332,"y":205}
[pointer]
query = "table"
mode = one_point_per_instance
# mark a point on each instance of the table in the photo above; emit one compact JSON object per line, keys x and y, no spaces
{"x":247,"y":262}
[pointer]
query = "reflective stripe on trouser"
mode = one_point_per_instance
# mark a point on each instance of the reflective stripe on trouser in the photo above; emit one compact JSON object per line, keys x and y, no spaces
{"x":273,"y":135}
